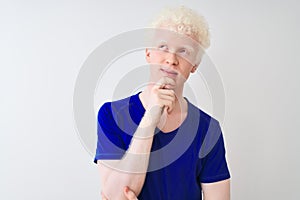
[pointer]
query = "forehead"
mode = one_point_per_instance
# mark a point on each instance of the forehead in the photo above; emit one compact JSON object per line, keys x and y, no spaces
{"x":174,"y":38}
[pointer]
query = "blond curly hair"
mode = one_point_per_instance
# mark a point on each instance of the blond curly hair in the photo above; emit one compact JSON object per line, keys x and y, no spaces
{"x":184,"y":20}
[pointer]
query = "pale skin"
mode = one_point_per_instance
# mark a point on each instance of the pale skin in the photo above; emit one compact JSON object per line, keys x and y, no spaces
{"x":166,"y":109}
{"x":131,"y":169}
{"x":212,"y":191}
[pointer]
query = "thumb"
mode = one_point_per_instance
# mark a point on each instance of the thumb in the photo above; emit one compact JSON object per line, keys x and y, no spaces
{"x":129,"y":194}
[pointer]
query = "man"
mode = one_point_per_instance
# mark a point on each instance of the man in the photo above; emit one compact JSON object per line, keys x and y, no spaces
{"x":136,"y":135}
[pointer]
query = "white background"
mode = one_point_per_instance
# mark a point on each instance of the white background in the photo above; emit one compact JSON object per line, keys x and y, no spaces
{"x":43,"y":44}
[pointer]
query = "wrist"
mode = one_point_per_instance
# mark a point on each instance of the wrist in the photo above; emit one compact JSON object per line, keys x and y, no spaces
{"x":148,"y":120}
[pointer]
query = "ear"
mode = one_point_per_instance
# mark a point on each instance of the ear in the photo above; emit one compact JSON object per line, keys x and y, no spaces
{"x":196,"y":65}
{"x":194,"y":68}
{"x":147,"y":53}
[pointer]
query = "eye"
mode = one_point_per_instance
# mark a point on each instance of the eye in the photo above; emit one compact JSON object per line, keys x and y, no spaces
{"x":163,"y":47}
{"x":184,"y":51}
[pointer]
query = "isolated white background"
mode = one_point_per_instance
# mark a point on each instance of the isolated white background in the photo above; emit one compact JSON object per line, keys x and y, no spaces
{"x":255,"y":46}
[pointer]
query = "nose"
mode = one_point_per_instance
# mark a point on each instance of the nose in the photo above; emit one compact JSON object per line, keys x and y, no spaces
{"x":171,"y":59}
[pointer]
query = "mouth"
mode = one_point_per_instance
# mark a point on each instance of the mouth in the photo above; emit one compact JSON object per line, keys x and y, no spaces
{"x":169,"y":72}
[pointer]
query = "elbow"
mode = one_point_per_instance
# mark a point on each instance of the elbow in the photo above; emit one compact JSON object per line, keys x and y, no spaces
{"x":137,"y":186}
{"x":113,"y":187}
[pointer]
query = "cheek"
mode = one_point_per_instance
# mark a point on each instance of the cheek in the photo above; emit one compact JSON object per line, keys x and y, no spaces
{"x":184,"y":76}
{"x":188,"y":59}
{"x":155,"y":70}
{"x":155,"y":56}
{"x":186,"y":67}
{"x":186,"y":72}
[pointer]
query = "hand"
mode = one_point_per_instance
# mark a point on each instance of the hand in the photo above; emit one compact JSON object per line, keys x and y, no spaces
{"x":162,"y":98}
{"x":129,"y":194}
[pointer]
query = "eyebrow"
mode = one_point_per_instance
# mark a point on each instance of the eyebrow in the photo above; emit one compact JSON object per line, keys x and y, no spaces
{"x":165,"y":42}
{"x":188,"y":47}
{"x":162,"y":42}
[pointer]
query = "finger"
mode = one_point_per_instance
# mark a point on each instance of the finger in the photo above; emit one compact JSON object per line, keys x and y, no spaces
{"x":167,"y":110}
{"x":168,"y":87}
{"x":170,"y":93}
{"x":129,"y":194}
{"x":165,"y":82}
{"x":169,"y":104}
{"x":103,"y":196}
{"x":168,"y":83}
{"x":167,"y":97}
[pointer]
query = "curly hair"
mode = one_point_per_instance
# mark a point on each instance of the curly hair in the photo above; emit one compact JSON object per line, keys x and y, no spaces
{"x":184,"y":20}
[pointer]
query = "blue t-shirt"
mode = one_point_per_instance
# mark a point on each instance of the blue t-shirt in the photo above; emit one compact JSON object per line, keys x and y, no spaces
{"x":180,"y":160}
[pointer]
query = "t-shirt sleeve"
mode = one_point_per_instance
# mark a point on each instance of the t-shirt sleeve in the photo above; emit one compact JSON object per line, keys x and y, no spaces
{"x":110,"y":144}
{"x":214,"y":166}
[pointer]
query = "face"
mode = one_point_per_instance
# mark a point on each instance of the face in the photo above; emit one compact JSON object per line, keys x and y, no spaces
{"x":173,"y":55}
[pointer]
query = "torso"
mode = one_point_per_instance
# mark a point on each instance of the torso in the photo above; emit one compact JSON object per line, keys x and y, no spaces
{"x":171,"y":122}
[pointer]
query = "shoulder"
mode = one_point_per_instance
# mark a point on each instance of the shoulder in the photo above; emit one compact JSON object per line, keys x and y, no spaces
{"x":113,"y":106}
{"x":125,"y":113}
{"x":203,"y":117}
{"x":119,"y":116}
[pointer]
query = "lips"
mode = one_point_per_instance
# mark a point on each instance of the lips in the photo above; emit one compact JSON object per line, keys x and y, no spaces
{"x":169,"y":72}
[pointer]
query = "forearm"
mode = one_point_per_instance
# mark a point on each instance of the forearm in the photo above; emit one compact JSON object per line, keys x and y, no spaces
{"x":216,"y":191}
{"x":132,"y":168}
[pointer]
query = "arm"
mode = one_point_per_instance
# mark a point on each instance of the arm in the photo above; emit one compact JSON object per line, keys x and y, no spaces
{"x":113,"y":180}
{"x":216,"y":191}
{"x":212,"y":191}
{"x":134,"y":163}
{"x":129,"y":194}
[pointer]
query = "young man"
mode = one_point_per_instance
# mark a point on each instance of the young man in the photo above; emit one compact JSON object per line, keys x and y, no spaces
{"x":139,"y":137}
